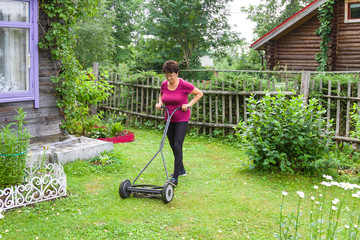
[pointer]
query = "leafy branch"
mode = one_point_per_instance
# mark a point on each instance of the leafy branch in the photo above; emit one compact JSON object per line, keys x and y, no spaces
{"x":75,"y":89}
{"x":325,"y":15}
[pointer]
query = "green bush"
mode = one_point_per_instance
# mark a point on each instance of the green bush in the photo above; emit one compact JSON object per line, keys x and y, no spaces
{"x":284,"y":134}
{"x":13,"y":146}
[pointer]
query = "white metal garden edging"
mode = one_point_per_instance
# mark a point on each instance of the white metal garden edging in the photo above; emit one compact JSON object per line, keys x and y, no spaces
{"x":42,"y":183}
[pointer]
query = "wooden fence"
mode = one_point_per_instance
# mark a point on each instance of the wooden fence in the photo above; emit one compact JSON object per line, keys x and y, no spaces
{"x":224,"y":102}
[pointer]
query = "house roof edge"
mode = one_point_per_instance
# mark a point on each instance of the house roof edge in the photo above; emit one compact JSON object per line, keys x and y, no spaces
{"x":287,"y":23}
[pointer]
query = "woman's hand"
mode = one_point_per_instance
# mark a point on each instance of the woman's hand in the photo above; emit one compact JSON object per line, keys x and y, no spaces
{"x":158,"y":106}
{"x":185,"y":107}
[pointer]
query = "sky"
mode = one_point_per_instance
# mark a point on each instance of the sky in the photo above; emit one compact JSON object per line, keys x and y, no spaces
{"x":238,"y":20}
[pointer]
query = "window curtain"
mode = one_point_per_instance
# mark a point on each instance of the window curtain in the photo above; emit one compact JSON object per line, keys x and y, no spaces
{"x":14,"y":48}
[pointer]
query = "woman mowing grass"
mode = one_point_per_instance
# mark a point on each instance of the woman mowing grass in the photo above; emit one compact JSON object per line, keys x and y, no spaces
{"x":174,"y":93}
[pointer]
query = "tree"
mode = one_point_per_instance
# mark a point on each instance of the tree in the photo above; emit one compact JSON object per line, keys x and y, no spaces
{"x":193,"y":26}
{"x":128,"y":16}
{"x":270,"y":13}
{"x":95,"y":42}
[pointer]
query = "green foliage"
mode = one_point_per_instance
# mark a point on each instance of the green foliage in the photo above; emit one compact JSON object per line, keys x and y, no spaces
{"x":325,"y":15}
{"x":77,"y":101}
{"x":355,"y":120}
{"x":239,"y":58}
{"x":76,"y":90}
{"x":329,"y":216}
{"x":284,"y":134}
{"x":192,"y":26}
{"x":94,"y":39}
{"x":128,"y":16}
{"x":111,"y":125}
{"x":13,"y":148}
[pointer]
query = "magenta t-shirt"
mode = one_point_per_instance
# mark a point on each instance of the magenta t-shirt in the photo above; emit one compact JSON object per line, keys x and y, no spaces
{"x":176,"y":98}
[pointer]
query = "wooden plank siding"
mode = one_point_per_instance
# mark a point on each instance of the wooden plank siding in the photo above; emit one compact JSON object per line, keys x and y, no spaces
{"x":296,"y":50}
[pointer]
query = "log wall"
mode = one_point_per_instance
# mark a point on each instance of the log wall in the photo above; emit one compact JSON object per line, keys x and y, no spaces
{"x":348,"y":44}
{"x":296,"y":50}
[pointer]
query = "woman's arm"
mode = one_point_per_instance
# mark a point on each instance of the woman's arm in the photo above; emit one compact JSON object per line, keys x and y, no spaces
{"x":160,"y":103}
{"x":198,"y":94}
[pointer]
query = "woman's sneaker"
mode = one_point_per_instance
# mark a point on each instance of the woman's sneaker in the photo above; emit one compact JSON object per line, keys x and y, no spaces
{"x":182,"y":173}
{"x":174,"y":181}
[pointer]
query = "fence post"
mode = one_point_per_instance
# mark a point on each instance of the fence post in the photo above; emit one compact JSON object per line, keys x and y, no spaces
{"x":96,"y":69}
{"x":305,"y":83}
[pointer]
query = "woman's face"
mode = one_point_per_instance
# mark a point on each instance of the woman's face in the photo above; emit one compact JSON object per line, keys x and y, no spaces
{"x":171,"y":76}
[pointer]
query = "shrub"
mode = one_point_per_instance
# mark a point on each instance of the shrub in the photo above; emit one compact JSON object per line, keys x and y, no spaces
{"x":285,"y":134}
{"x":13,"y":147}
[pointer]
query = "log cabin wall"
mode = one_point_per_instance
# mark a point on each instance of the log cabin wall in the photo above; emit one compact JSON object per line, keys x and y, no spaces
{"x":296,"y":50}
{"x":45,"y":120}
{"x":332,"y":61}
{"x":270,"y":54}
{"x":348,"y":42}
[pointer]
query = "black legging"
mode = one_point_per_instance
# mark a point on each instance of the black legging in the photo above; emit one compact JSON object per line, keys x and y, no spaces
{"x":176,"y":135}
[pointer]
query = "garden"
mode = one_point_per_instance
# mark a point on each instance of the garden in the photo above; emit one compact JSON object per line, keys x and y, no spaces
{"x":262,"y":160}
{"x":276,"y":179}
{"x":218,"y":199}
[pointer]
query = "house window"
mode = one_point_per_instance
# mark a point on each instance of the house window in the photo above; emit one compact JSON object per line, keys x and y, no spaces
{"x":18,"y":51}
{"x":354,"y":10}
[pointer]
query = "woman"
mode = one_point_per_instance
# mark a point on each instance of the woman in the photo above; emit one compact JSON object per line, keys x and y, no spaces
{"x":174,"y":93}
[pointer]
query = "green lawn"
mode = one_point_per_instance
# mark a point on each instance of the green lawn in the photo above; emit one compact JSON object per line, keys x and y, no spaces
{"x":216,"y":200}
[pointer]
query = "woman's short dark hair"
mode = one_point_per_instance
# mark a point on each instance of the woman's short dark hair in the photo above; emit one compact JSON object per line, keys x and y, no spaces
{"x":170,"y":66}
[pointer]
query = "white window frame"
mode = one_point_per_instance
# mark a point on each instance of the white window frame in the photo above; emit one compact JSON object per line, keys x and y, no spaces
{"x":347,"y":13}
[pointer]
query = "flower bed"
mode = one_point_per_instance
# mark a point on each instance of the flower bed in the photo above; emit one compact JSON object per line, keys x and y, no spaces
{"x":125,"y":137}
{"x":41,"y":183}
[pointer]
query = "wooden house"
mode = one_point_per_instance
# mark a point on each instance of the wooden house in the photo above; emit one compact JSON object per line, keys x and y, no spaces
{"x":293,"y":44}
{"x":25,"y":70}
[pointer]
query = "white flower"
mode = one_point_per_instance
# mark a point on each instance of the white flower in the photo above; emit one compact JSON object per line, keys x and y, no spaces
{"x":355,"y":226}
{"x":356,"y":195}
{"x":346,"y":186}
{"x":320,"y":195}
{"x":333,"y":183}
{"x":316,"y":187}
{"x":347,"y":226}
{"x":317,"y":203}
{"x":327,"y":184}
{"x":301,"y":194}
{"x":312,"y":198}
{"x":328,"y":177}
{"x":333,"y":208}
{"x":335,"y":201}
{"x":284,"y":193}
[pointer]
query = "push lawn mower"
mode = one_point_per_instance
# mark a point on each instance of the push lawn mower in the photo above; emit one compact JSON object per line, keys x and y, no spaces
{"x":165,"y":192}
